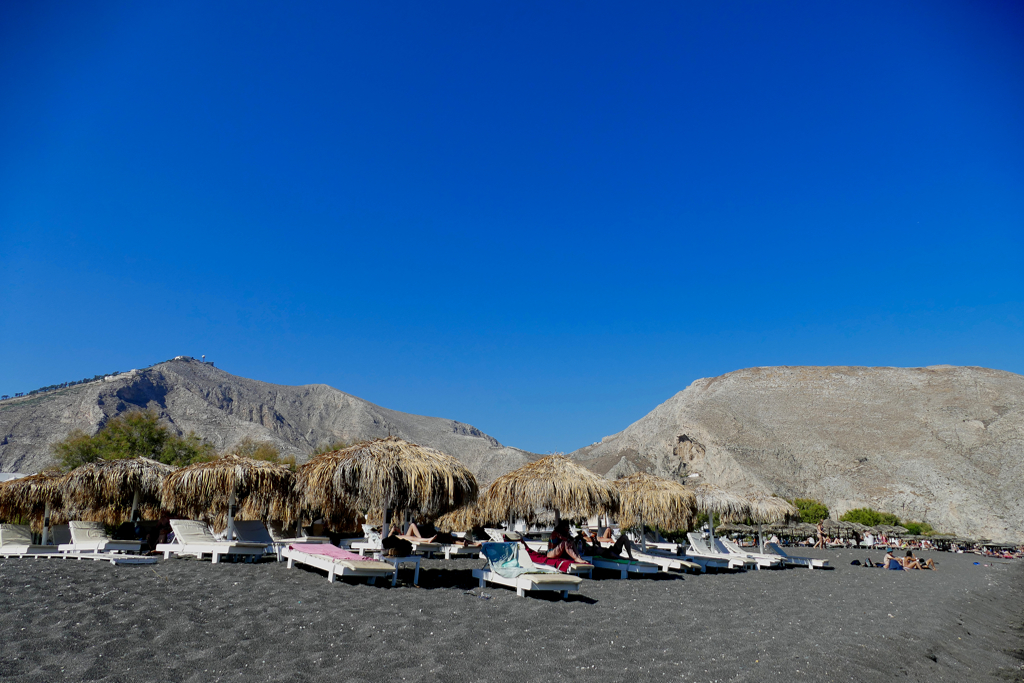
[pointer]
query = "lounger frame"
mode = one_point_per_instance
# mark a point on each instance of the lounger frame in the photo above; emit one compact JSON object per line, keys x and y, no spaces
{"x":524,"y":582}
{"x":335,"y":568}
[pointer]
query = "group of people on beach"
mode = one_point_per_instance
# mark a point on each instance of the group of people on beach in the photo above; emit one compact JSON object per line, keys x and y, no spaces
{"x":906,"y":563}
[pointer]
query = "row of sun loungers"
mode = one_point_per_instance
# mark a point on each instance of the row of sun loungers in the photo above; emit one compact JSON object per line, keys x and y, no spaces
{"x":78,"y":541}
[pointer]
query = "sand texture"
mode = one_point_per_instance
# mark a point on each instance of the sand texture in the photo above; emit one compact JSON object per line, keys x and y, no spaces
{"x":184,"y":620}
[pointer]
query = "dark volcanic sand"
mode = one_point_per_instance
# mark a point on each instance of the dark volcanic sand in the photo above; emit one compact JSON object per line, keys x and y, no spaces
{"x":184,"y":620}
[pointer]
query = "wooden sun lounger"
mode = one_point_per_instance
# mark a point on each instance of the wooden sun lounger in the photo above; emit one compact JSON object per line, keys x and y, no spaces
{"x":195,"y":538}
{"x":539,"y":581}
{"x":345,"y":568}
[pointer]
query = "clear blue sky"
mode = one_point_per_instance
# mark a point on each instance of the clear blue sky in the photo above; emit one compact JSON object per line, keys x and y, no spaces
{"x":541,"y":219}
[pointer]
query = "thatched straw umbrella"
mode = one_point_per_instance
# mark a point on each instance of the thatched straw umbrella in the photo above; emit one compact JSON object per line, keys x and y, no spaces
{"x":213,"y":490}
{"x":647,"y":499}
{"x":552,"y":483}
{"x":384,"y":475}
{"x":734,"y":529}
{"x":465,"y":518}
{"x":113,"y":491}
{"x":766,"y":509}
{"x":37,"y":497}
{"x":714,"y":500}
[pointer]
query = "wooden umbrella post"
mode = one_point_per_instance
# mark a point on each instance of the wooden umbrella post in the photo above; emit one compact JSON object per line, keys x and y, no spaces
{"x":46,"y":523}
{"x":135,"y":506}
{"x":231,"y":516}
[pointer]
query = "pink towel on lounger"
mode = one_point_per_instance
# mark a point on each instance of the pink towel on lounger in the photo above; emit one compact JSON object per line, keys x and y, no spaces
{"x":327,"y":550}
{"x":561,"y":564}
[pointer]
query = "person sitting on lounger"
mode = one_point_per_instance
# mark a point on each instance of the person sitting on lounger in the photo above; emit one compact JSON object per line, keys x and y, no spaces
{"x":562,"y":544}
{"x":911,"y":562}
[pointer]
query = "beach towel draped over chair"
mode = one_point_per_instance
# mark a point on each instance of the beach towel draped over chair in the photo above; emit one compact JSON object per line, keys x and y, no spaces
{"x":508,"y":564}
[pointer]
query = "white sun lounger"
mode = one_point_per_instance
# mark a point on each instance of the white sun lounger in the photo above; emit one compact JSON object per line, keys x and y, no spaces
{"x":336,"y":564}
{"x":374,"y":544}
{"x":666,"y":561}
{"x":91,"y":537}
{"x":195,"y":538}
{"x":533,"y":579}
{"x":254,"y":531}
{"x":16,"y":541}
{"x":699,"y":550}
{"x":764,"y":561}
{"x":624,"y":567}
{"x":790,"y":561}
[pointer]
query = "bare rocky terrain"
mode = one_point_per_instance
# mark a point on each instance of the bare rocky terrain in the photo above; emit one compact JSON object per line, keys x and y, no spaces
{"x":224,"y":409}
{"x":940,"y":444}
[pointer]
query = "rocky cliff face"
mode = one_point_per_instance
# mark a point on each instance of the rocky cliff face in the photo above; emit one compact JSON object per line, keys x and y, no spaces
{"x":940,"y":444}
{"x":223,"y":408}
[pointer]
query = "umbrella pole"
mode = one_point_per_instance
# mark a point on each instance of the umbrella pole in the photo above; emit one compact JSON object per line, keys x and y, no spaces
{"x":135,"y":506}
{"x":406,"y":520}
{"x":760,"y":536}
{"x":385,"y":527}
{"x":231,"y":516}
{"x":711,"y":530}
{"x":46,"y":523}
{"x":643,"y":535}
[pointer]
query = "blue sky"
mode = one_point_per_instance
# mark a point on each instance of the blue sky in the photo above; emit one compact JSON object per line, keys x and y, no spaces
{"x":541,"y":219}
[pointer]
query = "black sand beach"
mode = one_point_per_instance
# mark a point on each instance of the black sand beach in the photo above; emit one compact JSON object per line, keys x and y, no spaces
{"x":185,"y":620}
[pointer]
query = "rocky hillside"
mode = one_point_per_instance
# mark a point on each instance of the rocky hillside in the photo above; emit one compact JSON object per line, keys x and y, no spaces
{"x":223,"y":408}
{"x":940,"y":444}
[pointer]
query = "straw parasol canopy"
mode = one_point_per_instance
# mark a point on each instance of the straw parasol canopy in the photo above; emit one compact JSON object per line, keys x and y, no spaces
{"x":108,"y":490}
{"x":551,"y":483}
{"x":206,"y":490}
{"x":716,"y":501}
{"x":382,"y":475}
{"x":734,"y":529}
{"x":647,"y":499}
{"x":463,"y":519}
{"x":30,"y":496}
{"x":766,"y":509}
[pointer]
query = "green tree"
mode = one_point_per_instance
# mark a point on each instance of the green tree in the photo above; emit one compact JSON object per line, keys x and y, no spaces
{"x":132,"y":435}
{"x":811,"y":511}
{"x":869,"y":517}
{"x":918,"y":528}
{"x":262,"y":450}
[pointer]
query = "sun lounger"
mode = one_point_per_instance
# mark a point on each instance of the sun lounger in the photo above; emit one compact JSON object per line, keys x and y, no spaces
{"x":790,"y":561}
{"x":764,"y":561}
{"x":337,"y":562}
{"x":699,"y":550}
{"x":374,"y":544}
{"x":508,"y":564}
{"x":91,"y":537}
{"x":254,"y":531}
{"x":195,"y":538}
{"x":16,"y":541}
{"x":624,"y":566}
{"x":666,"y":561}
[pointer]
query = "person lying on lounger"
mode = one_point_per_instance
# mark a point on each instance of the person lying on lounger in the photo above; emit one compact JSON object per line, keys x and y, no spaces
{"x":414,"y":535}
{"x":911,"y":562}
{"x":591,"y":545}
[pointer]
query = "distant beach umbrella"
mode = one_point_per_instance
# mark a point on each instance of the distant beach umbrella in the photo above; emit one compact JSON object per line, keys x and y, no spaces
{"x":767,"y":509}
{"x":386,"y":475}
{"x":464,"y":518}
{"x":713,"y":500}
{"x":646,"y":499}
{"x":113,"y":491}
{"x":37,"y":497}
{"x":734,"y":529}
{"x":552,"y":483}
{"x":231,"y":485}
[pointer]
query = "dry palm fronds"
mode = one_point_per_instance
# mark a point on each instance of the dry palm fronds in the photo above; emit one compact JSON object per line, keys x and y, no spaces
{"x":734,"y":529}
{"x":262,"y":490}
{"x":649,"y":500}
{"x":765,"y":509}
{"x":26,"y":497}
{"x":465,"y":518}
{"x":551,"y":483}
{"x":716,"y":501}
{"x":383,"y":474}
{"x":103,"y":491}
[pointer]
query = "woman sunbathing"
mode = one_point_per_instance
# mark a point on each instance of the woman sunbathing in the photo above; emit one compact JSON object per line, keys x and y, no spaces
{"x":591,"y":545}
{"x":911,"y":562}
{"x":562,"y":544}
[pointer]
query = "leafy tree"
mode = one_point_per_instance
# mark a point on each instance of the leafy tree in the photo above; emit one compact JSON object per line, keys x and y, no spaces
{"x":869,"y":517}
{"x":132,"y":435}
{"x":811,"y":511}
{"x":918,"y":528}
{"x":262,"y":450}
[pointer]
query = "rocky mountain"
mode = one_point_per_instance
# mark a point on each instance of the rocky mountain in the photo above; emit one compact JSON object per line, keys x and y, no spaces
{"x":195,"y":396}
{"x":940,"y":444}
